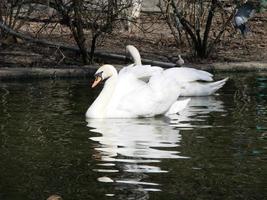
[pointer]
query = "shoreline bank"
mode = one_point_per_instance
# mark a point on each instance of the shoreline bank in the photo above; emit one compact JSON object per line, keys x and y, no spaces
{"x":89,"y":70}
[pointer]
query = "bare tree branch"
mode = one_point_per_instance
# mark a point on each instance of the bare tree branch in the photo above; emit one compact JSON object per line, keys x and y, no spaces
{"x":60,"y":46}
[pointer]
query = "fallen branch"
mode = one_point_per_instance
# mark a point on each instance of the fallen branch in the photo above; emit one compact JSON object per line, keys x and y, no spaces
{"x":31,"y":39}
{"x":39,"y":20}
{"x":71,"y":48}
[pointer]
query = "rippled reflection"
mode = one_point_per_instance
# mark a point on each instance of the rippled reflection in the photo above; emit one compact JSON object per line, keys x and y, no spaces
{"x":133,"y":147}
{"x":137,"y":138}
{"x":197,"y":111}
{"x":215,"y":149}
{"x":261,"y":87}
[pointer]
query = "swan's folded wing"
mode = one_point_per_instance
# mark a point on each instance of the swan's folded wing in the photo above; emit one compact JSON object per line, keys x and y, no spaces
{"x":177,"y":106}
{"x":185,"y":74}
{"x":141,"y":104}
{"x":200,"y":88}
{"x":134,"y":102}
{"x":149,"y":99}
{"x":143,"y":72}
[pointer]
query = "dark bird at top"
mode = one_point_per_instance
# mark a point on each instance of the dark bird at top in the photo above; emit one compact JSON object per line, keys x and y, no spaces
{"x":243,"y":14}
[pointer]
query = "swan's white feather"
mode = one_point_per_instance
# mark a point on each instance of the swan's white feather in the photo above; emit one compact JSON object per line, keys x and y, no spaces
{"x":145,"y":91}
{"x":186,"y":74}
{"x":193,"y":82}
{"x":200,"y":88}
{"x":177,"y":106}
{"x":135,"y":98}
{"x":126,"y":96}
{"x":143,"y":72}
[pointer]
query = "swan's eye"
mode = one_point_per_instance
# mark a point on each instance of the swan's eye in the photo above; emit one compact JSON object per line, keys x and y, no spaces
{"x":98,"y":79}
{"x":99,"y":74}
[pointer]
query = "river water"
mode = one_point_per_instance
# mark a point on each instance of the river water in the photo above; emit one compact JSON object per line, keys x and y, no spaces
{"x":215,"y":149}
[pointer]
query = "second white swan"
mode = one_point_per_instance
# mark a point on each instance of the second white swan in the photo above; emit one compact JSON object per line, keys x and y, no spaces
{"x":193,"y":82}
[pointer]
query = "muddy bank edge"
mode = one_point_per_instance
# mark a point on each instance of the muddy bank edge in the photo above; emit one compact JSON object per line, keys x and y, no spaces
{"x":89,"y":70}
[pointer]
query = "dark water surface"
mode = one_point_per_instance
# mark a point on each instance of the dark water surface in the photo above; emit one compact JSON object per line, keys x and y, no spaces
{"x":215,"y":149}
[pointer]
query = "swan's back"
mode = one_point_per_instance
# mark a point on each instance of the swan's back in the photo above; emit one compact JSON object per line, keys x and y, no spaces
{"x":142,"y":72}
{"x":185,"y":74}
{"x":136,"y":98}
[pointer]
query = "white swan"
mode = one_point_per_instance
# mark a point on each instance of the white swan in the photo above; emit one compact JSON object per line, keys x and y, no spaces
{"x":193,"y":82}
{"x":126,"y":95}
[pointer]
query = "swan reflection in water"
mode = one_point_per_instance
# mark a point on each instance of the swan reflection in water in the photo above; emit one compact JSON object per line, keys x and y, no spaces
{"x":197,"y":110}
{"x":130,"y":149}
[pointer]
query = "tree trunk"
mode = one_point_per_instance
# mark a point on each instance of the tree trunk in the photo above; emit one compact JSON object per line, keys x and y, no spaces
{"x":80,"y":37}
{"x":76,"y":25}
{"x":93,"y":47}
{"x":204,"y":52}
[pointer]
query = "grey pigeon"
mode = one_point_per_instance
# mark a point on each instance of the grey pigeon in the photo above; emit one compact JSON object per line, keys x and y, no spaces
{"x":243,"y":14}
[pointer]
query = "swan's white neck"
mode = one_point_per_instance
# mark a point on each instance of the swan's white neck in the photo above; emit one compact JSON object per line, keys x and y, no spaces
{"x":99,"y":107}
{"x":135,"y":54}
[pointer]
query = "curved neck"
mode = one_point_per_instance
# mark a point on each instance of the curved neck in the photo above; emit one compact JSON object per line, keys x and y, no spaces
{"x":135,"y":54}
{"x":137,"y":58}
{"x":99,"y":106}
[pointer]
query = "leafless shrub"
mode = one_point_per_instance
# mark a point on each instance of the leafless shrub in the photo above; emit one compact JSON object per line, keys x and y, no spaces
{"x":11,"y":11}
{"x":195,"y":21}
{"x":81,"y":17}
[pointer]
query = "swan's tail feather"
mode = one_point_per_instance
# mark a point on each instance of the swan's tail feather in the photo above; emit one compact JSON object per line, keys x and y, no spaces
{"x":177,"y":106}
{"x":217,"y":85}
{"x":135,"y":54}
{"x":202,"y":89}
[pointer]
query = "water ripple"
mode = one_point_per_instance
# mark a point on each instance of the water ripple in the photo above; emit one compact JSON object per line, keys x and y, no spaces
{"x":131,"y":148}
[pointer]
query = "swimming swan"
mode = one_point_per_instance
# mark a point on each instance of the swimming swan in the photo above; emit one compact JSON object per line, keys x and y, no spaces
{"x":136,"y":91}
{"x":193,"y":82}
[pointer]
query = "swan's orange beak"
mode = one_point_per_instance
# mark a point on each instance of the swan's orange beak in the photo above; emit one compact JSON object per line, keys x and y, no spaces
{"x":98,"y":79}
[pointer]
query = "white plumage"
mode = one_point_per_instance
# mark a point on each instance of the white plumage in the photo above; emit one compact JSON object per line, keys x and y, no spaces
{"x":126,"y":95}
{"x":146,"y":91}
{"x":193,"y":82}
